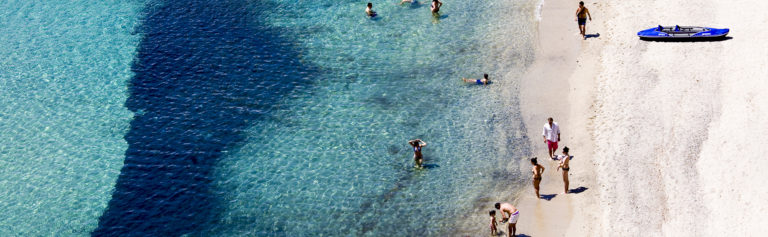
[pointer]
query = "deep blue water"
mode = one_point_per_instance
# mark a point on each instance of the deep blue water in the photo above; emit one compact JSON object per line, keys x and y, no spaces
{"x":204,"y":72}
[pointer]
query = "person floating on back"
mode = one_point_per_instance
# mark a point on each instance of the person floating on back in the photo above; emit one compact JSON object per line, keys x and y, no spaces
{"x":483,"y":81}
{"x":369,"y":10}
{"x":581,"y":17}
{"x":418,"y":158}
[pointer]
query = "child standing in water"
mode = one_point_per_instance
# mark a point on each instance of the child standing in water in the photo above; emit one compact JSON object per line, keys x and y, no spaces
{"x":493,"y":223}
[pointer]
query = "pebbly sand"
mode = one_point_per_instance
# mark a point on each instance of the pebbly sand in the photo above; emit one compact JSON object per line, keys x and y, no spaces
{"x":667,"y":136}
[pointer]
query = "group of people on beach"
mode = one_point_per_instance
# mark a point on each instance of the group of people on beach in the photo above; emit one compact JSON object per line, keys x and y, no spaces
{"x":509,"y":213}
{"x":550,"y":134}
{"x":435,"y":7}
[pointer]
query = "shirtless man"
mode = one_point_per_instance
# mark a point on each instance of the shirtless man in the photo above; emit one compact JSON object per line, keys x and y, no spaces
{"x":581,"y":17}
{"x":508,"y":214}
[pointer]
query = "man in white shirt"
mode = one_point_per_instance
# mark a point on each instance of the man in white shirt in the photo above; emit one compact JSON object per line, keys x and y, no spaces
{"x":551,"y":135}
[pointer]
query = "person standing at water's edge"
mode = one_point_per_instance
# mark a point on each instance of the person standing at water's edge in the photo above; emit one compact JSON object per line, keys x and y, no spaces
{"x":551,"y":135}
{"x":537,"y":171}
{"x":369,"y":10}
{"x":510,"y":215}
{"x":564,"y":164}
{"x":493,"y":222}
{"x":581,"y":16}
{"x":417,"y":144}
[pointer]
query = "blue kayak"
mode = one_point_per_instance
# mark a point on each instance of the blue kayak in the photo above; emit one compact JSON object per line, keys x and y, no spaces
{"x":682,"y":32}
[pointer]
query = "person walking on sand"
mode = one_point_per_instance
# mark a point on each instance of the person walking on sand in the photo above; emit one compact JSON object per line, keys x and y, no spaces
{"x":581,"y":17}
{"x":510,"y":215}
{"x":483,"y":81}
{"x":417,"y":144}
{"x":564,"y":160}
{"x":551,"y":136}
{"x":537,"y":171}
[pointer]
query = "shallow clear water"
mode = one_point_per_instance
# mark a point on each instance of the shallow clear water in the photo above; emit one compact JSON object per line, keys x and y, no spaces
{"x":333,"y":159}
{"x":260,"y":118}
{"x":62,"y":89}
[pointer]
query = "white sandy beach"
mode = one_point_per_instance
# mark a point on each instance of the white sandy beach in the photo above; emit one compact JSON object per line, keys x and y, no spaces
{"x":667,"y":135}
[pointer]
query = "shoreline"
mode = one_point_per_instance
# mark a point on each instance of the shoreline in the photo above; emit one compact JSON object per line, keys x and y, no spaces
{"x":670,"y":118}
{"x":560,"y":84}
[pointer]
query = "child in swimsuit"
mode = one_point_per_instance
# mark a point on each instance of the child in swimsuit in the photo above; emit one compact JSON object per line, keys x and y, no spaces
{"x":493,"y":223}
{"x":483,"y":81}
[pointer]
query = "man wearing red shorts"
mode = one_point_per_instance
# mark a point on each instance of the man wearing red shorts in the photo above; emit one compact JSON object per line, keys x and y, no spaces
{"x":551,"y":136}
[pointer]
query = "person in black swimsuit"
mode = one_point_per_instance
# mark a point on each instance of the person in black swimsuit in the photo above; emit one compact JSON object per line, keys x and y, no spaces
{"x":417,"y":144}
{"x":537,"y":171}
{"x":581,"y":17}
{"x":566,"y":167}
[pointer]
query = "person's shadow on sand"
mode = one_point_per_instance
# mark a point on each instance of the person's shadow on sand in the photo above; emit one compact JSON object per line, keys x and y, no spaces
{"x":548,"y":197}
{"x":578,"y":190}
{"x":595,"y":35}
{"x":502,"y":233}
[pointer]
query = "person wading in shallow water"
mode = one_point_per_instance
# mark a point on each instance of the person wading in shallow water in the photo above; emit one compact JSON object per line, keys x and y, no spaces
{"x":551,"y":135}
{"x":564,"y":160}
{"x":537,"y":171}
{"x":418,"y":158}
{"x":436,"y":4}
{"x":581,"y":17}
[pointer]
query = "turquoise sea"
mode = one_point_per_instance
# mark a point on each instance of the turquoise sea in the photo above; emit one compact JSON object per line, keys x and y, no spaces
{"x":266,"y":118}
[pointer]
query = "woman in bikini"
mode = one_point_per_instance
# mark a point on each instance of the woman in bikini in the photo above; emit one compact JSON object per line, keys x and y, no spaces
{"x":537,"y":171}
{"x":417,"y":144}
{"x":564,"y":165}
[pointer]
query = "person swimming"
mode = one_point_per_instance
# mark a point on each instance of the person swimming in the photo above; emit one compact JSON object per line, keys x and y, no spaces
{"x":483,"y":81}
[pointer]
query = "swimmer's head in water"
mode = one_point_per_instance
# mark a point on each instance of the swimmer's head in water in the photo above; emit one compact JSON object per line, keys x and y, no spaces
{"x":370,"y":5}
{"x":497,"y":205}
{"x":534,"y":161}
{"x":565,"y":149}
{"x":485,"y":76}
{"x":492,"y":213}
